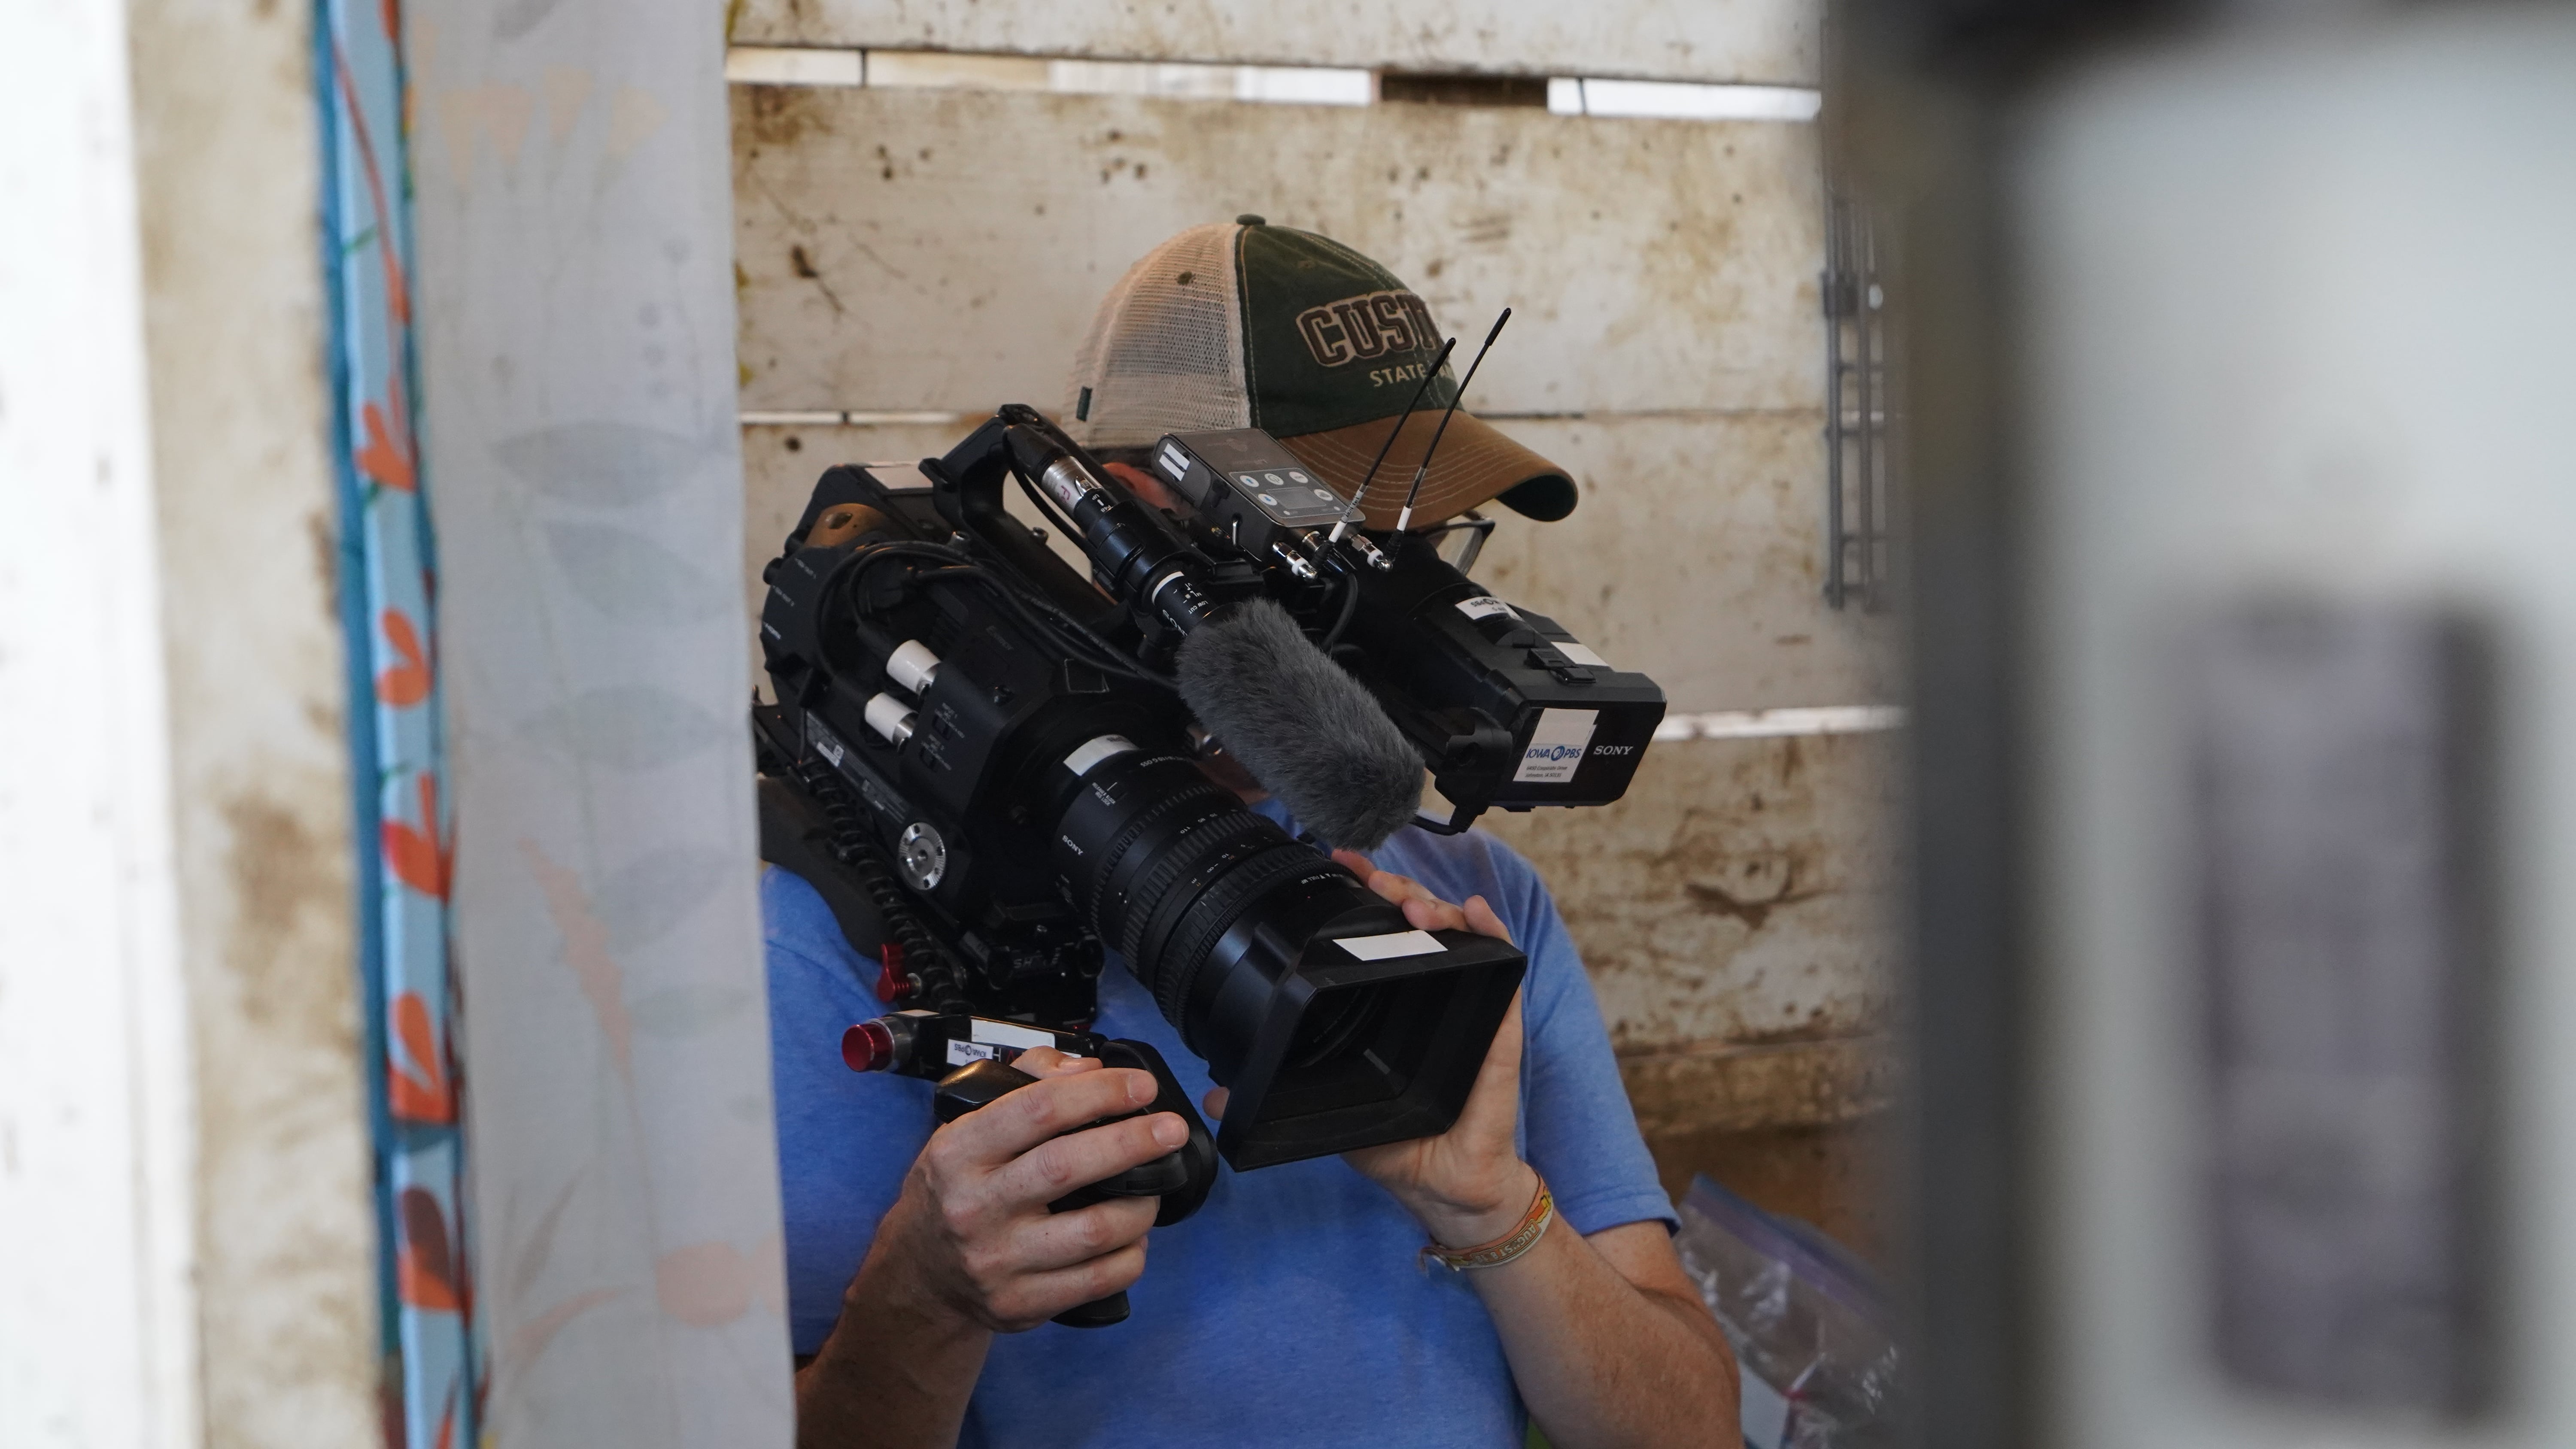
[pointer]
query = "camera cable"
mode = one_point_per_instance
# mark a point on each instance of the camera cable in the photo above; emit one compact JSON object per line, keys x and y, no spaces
{"x":1350,"y":603}
{"x":1042,"y":616}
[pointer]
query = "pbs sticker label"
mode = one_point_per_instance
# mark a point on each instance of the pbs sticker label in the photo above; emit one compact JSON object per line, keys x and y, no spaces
{"x":1556,"y":747}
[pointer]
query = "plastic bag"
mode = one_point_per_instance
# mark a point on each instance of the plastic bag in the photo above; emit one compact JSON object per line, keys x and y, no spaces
{"x":1813,"y":1329}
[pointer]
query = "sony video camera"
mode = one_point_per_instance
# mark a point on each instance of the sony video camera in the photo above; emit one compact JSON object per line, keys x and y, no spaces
{"x":997,"y":762}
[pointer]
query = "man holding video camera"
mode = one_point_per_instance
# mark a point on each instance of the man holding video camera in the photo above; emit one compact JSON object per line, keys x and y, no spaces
{"x":1416,"y":1293}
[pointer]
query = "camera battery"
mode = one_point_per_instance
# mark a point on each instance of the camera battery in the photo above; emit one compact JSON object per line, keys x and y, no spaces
{"x":1248,"y":488}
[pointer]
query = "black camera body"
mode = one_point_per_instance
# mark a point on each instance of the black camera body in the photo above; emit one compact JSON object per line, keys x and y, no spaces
{"x":997,"y":928}
{"x":995,"y":755}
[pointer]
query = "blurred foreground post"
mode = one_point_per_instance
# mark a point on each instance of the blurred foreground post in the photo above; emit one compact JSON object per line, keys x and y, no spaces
{"x":2245,"y":639}
{"x":576,"y":332}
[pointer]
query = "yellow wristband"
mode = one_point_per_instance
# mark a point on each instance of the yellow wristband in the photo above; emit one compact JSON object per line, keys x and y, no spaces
{"x":1533,"y":1226}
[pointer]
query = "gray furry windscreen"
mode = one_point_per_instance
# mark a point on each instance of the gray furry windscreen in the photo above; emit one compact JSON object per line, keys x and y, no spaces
{"x":1304,"y":728}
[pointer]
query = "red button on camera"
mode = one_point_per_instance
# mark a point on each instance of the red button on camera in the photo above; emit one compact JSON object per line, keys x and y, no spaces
{"x":867,"y":1047}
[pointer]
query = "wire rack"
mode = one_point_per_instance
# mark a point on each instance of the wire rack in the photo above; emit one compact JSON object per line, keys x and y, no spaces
{"x":1860,"y":412}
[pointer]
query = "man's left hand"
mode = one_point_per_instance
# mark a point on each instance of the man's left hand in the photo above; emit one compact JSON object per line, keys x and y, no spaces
{"x":1608,"y":1340}
{"x":1468,"y":1185}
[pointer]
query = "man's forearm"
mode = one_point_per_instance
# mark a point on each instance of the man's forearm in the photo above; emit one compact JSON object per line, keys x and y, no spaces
{"x":895,"y":1374}
{"x":1602,"y":1362}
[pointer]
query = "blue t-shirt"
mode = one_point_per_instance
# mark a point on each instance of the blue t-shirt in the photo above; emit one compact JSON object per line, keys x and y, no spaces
{"x":1289,"y":1310}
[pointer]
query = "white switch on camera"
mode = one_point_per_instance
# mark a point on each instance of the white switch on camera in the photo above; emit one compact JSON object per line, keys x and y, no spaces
{"x":912,"y":666}
{"x":890,"y":717}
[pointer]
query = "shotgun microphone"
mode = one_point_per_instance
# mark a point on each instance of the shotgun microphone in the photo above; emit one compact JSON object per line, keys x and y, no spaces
{"x":1304,"y":728}
{"x":1311,"y":734}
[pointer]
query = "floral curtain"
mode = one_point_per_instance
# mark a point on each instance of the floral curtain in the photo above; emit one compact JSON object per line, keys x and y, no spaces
{"x":388,"y":582}
{"x":573,"y":200}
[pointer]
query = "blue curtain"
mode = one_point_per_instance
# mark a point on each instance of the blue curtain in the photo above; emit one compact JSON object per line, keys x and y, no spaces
{"x":388,"y":583}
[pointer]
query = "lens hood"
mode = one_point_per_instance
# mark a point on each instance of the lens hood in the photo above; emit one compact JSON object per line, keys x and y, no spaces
{"x":1332,"y":1022}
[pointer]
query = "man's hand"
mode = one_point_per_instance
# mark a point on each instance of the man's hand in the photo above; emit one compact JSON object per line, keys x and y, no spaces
{"x":969,"y":1250}
{"x":971,"y":1233}
{"x":1468,"y":1185}
{"x":1609,"y":1343}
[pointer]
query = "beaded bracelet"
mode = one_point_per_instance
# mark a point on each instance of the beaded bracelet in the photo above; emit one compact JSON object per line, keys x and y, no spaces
{"x":1533,"y":1225}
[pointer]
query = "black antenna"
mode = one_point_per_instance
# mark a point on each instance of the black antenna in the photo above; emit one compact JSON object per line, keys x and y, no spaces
{"x":1404,"y":517}
{"x":1438,"y":361}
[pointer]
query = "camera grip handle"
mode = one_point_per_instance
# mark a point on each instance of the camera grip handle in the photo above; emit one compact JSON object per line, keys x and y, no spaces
{"x":1193,"y":1163}
{"x":1180,"y":1178}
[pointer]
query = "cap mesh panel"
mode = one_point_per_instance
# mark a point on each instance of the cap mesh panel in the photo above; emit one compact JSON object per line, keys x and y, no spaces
{"x":1164,"y":355}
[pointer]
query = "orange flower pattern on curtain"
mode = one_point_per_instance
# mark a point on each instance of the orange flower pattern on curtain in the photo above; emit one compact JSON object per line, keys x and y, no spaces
{"x":435,"y":1389}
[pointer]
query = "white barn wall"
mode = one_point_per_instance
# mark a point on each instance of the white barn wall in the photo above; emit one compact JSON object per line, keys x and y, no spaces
{"x":1772,"y":42}
{"x":98,"y":1344}
{"x":228,"y":162}
{"x":903,"y":250}
{"x":184,"y":1178}
{"x":1696,"y":556}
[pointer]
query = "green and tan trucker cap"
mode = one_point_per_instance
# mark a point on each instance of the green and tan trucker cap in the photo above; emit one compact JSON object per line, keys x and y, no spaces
{"x":1242,"y":324}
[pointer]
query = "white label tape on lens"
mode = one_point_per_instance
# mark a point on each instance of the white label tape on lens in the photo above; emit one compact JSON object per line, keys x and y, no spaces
{"x":1485,"y":606}
{"x":1392,"y":945}
{"x":1556,"y":747}
{"x":962,"y":1052}
{"x":1095,"y":750}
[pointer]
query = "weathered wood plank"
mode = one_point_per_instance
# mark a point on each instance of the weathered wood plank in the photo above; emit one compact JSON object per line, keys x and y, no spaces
{"x":1695,"y":555}
{"x":1836,"y":1176}
{"x":1772,"y":42}
{"x":1727,"y":1088}
{"x":1741,"y":893}
{"x":903,"y":250}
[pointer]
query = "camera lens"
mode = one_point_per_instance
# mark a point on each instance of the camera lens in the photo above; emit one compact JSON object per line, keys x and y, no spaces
{"x":1331,"y":1026}
{"x":1237,"y":930}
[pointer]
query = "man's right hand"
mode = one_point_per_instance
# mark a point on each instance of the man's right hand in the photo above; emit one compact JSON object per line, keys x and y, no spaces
{"x":970,"y":1250}
{"x":971,"y":1234}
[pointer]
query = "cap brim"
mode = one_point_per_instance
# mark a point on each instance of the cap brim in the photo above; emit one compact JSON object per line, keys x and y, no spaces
{"x":1475,"y":464}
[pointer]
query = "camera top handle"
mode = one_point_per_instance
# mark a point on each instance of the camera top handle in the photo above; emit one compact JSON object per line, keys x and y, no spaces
{"x":1137,"y":556}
